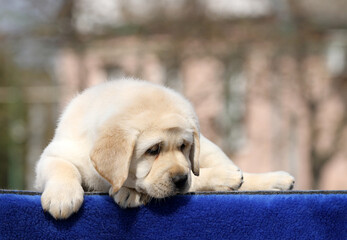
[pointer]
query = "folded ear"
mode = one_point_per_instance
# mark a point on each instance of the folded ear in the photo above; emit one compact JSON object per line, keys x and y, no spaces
{"x":112,"y":153}
{"x":195,"y":153}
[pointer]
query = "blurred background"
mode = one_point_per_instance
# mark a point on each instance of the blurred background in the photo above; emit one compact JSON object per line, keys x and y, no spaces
{"x":268,"y":78}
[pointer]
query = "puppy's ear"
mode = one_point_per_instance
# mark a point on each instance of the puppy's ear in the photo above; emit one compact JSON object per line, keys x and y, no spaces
{"x":195,"y":153}
{"x":112,"y":153}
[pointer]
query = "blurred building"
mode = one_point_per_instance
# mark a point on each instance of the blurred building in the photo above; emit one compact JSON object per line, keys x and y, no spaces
{"x":268,"y":79}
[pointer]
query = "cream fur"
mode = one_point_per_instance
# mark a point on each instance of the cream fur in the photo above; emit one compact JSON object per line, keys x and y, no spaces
{"x":106,"y":140}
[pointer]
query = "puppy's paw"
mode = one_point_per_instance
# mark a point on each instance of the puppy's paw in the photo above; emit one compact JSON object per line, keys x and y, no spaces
{"x":61,"y":200}
{"x":225,"y":179}
{"x":129,"y":198}
{"x":282,"y":181}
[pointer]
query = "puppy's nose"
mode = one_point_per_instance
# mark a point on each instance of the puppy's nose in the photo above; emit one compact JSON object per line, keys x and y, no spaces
{"x":180,"y":181}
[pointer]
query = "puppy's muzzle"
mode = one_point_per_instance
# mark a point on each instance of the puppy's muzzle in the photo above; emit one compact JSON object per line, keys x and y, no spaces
{"x":180,"y":182}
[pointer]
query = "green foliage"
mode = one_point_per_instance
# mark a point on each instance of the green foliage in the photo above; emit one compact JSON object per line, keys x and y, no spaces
{"x":11,"y":118}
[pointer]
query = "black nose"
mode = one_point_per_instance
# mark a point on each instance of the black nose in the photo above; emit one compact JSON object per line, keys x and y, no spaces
{"x":180,"y":181}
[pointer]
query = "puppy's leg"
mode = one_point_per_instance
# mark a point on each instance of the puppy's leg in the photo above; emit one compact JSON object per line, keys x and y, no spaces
{"x":129,"y":198}
{"x":217,"y":171}
{"x":60,"y":181}
{"x":223,"y":178}
{"x":267,"y":181}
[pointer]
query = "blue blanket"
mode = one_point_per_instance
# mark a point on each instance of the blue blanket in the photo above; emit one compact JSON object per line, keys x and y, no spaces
{"x":257,"y":215}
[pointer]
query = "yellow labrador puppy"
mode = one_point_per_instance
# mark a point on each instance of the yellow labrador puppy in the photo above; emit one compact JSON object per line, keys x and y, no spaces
{"x":137,"y":141}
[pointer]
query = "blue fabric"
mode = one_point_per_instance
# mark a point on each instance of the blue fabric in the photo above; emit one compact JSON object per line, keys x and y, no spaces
{"x":217,"y":216}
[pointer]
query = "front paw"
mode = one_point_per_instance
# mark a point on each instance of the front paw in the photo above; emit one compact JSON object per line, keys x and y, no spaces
{"x":226,"y":179}
{"x":61,"y":200}
{"x":129,"y":198}
{"x":282,"y":181}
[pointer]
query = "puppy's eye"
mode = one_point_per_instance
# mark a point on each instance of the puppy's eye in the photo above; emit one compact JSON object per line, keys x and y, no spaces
{"x":182,"y":147}
{"x":154,"y":151}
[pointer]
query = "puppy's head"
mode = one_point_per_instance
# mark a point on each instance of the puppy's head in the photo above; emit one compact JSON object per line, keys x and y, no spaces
{"x":153,"y":151}
{"x":163,"y":160}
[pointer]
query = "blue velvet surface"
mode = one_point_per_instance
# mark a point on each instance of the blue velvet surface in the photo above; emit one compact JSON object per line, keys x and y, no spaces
{"x":216,"y":216}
